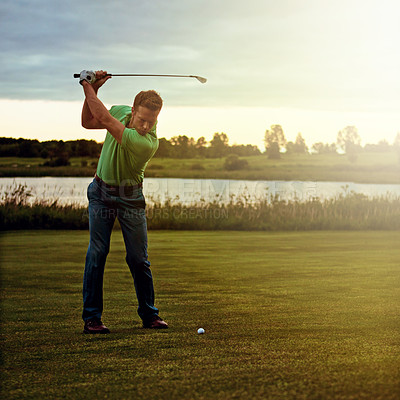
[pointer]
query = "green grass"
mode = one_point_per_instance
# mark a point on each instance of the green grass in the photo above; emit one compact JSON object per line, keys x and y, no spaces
{"x":368,"y":167}
{"x":24,"y":166}
{"x":36,"y":161}
{"x":287,"y":316}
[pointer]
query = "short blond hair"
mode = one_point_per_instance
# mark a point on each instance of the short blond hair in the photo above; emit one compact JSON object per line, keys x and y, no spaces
{"x":149,"y":99}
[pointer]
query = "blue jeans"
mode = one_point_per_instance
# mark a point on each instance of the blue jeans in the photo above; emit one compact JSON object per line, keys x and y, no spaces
{"x":104,"y":206}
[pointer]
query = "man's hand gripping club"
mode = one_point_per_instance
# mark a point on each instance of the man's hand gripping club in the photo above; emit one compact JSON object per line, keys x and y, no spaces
{"x":94,"y":114}
{"x":96,"y":79}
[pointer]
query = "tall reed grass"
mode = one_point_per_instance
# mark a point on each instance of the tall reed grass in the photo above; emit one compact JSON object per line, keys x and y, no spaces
{"x":349,"y":211}
{"x":346,"y":212}
{"x":18,"y":212}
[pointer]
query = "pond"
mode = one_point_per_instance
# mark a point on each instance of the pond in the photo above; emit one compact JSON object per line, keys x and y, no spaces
{"x":72,"y":190}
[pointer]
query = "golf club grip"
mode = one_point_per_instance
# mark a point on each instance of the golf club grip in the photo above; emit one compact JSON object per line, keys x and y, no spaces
{"x":78,"y":75}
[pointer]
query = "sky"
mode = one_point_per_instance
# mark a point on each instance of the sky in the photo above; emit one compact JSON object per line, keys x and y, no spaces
{"x":311,"y":66}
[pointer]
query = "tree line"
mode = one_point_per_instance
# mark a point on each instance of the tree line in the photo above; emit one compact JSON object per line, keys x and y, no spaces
{"x":348,"y":141}
{"x":184,"y":147}
{"x":58,"y":152}
{"x":176,"y":147}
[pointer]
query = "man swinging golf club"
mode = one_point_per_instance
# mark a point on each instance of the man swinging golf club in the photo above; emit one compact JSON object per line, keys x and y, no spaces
{"x":116,"y":192}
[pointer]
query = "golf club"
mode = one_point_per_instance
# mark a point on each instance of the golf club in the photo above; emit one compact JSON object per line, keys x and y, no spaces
{"x":199,"y":78}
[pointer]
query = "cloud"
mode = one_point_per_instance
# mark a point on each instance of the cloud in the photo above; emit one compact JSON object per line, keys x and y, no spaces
{"x":311,"y":54}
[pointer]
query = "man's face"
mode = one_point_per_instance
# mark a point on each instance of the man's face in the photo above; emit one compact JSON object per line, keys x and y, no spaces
{"x":143,"y":119}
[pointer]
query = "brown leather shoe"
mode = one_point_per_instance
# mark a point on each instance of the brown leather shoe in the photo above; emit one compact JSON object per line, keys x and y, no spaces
{"x":155,"y":322}
{"x":95,"y":326}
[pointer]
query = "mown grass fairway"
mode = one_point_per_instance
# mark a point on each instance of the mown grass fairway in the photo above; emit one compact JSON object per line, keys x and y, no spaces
{"x":287,"y":316}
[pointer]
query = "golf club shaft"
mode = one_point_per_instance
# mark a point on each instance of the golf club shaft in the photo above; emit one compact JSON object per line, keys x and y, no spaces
{"x":199,"y":78}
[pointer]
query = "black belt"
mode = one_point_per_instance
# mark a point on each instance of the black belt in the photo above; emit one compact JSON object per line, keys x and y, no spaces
{"x":118,"y":188}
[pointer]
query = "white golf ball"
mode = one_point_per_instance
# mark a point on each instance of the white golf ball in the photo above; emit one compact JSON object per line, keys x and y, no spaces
{"x":200,"y":331}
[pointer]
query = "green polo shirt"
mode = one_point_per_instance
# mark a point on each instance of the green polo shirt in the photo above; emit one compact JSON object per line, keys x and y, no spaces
{"x":124,"y":164}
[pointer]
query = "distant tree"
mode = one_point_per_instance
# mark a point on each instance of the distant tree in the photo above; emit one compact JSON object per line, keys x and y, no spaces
{"x":6,"y":140}
{"x":274,"y":139}
{"x":85,"y":148}
{"x":290,"y":148}
{"x":299,"y":146}
{"x":244,"y":150}
{"x":382,"y":147}
{"x":9,"y":150}
{"x":50,"y":147}
{"x":273,"y":151}
{"x":165,"y":148}
{"x":62,"y":154}
{"x":183,"y":146}
{"x":201,"y":146}
{"x":349,"y":140}
{"x":219,"y":145}
{"x":322,"y":148}
{"x":29,"y":148}
{"x":59,"y":153}
{"x":44,"y":153}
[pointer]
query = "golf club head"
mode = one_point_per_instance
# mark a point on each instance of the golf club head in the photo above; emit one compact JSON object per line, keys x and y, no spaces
{"x":200,"y":79}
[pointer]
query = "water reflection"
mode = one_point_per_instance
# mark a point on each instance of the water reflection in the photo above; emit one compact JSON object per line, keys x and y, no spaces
{"x":72,"y":190}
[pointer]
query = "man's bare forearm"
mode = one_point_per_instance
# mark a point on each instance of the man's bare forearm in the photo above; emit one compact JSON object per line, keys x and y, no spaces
{"x":89,"y":121}
{"x":87,"y":117}
{"x":101,"y":116}
{"x":93,"y":108}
